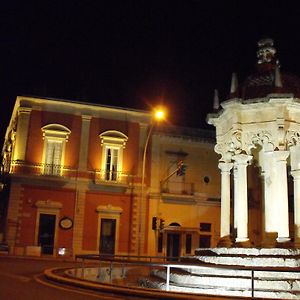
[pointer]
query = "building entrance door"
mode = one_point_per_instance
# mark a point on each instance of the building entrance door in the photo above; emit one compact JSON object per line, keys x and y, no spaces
{"x":107,"y":236}
{"x":173,"y":246}
{"x":46,"y":233}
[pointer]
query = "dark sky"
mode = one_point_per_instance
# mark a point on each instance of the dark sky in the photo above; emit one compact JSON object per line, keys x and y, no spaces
{"x":139,"y":53}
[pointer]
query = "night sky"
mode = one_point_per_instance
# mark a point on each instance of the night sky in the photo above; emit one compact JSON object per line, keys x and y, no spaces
{"x":139,"y":53}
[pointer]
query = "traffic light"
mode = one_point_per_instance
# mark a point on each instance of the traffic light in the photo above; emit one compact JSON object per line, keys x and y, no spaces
{"x":154,"y":223}
{"x":161,"y":224}
{"x":181,"y":168}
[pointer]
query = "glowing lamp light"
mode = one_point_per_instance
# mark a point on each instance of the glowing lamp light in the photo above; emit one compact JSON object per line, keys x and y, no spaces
{"x":159,"y":114}
{"x":62,"y":251}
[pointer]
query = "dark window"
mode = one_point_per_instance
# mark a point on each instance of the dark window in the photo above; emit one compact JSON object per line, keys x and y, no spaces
{"x":204,"y":241}
{"x":46,"y":233}
{"x":188,"y":244}
{"x":173,"y":246}
{"x":205,"y":227}
{"x":107,"y":236}
{"x":160,"y":243}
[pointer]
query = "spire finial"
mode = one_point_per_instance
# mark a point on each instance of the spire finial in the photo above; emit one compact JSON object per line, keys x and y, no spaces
{"x":234,"y":83}
{"x":266,"y":51}
{"x":278,"y":82}
{"x":216,"y":100}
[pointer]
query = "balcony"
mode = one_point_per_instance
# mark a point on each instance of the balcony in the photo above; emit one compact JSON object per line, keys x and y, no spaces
{"x":112,"y":178}
{"x":178,"y":191}
{"x":40,"y":169}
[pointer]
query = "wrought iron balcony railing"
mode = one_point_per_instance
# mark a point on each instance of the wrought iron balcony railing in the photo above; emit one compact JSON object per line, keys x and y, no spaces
{"x":178,"y":188}
{"x":112,"y":177}
{"x":23,"y":167}
{"x":40,"y":169}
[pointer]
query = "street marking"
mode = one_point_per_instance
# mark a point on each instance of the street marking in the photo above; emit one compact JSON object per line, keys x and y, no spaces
{"x":36,"y":278}
{"x":15,"y":276}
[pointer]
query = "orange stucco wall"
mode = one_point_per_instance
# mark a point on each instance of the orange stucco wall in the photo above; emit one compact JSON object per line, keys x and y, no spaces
{"x":91,"y":230}
{"x":35,"y":143}
{"x":29,"y":210}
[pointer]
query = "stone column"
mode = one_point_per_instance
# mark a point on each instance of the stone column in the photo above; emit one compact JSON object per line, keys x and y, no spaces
{"x":235,"y":202}
{"x":270,"y":189}
{"x":84,"y":142}
{"x":225,"y":240}
{"x":22,"y":133}
{"x":281,"y":196}
{"x":241,"y":198}
{"x":295,"y":166}
{"x":296,"y":176}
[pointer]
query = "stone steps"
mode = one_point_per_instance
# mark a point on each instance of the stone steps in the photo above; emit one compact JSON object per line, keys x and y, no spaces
{"x":222,"y":281}
{"x":223,"y":286}
{"x":227,"y":272}
{"x":247,"y":257}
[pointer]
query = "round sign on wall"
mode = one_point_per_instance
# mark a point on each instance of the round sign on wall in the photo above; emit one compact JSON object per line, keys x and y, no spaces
{"x":66,"y":223}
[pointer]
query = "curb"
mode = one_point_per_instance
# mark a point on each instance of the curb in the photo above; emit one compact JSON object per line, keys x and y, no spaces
{"x":54,"y":274}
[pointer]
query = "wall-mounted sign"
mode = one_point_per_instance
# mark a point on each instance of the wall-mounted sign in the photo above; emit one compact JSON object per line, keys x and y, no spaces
{"x":66,"y":223}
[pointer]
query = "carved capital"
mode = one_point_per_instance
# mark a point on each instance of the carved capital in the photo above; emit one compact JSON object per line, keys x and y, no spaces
{"x":241,"y":159}
{"x":292,"y":138}
{"x":281,"y":155}
{"x":263,"y":138}
{"x":225,"y":167}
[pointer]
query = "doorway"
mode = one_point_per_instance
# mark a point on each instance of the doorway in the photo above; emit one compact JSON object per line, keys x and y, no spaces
{"x":173,"y":246}
{"x":46,"y":233}
{"x":107,"y":236}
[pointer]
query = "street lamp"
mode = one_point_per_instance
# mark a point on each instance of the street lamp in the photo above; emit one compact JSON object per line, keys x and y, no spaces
{"x":158,"y":115}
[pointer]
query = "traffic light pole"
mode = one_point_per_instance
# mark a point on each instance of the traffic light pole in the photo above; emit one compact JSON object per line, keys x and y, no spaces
{"x":170,"y":175}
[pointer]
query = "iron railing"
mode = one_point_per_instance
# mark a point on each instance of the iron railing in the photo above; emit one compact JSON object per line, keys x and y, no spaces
{"x":121,"y":261}
{"x":178,"y":188}
{"x":57,"y":170}
{"x":19,"y":166}
{"x":112,"y":177}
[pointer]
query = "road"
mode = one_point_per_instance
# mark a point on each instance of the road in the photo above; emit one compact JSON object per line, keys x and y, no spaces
{"x":22,"y":279}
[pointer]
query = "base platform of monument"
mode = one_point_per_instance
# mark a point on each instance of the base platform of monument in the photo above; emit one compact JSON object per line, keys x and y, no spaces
{"x":266,"y":273}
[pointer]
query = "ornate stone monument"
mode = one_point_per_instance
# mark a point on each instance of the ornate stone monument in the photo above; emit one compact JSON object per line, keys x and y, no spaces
{"x":260,"y":126}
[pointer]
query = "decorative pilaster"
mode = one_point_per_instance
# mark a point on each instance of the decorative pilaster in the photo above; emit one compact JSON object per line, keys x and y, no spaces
{"x":22,"y":133}
{"x":225,"y":240}
{"x":79,"y":219}
{"x":241,"y":198}
{"x":84,"y":142}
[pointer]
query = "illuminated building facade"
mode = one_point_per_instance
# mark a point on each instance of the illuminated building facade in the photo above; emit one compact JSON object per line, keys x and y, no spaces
{"x":72,"y":182}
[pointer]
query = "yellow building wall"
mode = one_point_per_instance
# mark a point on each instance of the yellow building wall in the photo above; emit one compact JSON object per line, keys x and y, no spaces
{"x":191,"y":209}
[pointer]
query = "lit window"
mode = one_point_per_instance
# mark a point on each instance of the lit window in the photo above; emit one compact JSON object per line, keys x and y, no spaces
{"x":111,"y":163}
{"x":55,"y":137}
{"x":113,"y":143}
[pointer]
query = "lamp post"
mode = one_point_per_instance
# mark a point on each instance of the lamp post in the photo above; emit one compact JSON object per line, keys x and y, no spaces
{"x":158,"y":115}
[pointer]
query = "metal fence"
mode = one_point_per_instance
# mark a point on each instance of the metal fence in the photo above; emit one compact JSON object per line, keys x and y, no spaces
{"x":116,"y":261}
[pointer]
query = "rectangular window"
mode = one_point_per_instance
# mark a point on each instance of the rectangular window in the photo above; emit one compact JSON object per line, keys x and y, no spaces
{"x":53,"y":157}
{"x":46,"y":233}
{"x":111,"y":164}
{"x":204,"y":241}
{"x":188,"y":244}
{"x":107,"y":236}
{"x":206,"y":227}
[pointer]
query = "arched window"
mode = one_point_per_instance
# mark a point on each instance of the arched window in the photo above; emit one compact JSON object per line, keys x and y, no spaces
{"x":55,"y":137}
{"x":113,"y":143}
